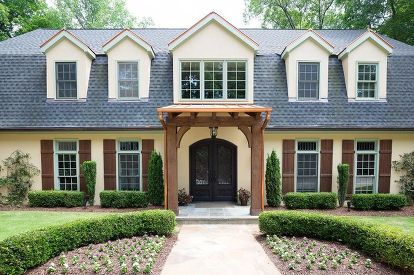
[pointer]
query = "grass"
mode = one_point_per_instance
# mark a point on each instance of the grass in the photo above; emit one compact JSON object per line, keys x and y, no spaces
{"x":14,"y":222}
{"x":404,"y":223}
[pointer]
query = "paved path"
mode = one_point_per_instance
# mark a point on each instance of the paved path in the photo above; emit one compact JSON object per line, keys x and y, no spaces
{"x":218,"y":249}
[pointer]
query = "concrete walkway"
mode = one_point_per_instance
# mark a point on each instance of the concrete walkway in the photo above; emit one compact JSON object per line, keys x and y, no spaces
{"x":218,"y":249}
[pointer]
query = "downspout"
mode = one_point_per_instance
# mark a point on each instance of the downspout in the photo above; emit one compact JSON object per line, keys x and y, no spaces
{"x":164,"y":126}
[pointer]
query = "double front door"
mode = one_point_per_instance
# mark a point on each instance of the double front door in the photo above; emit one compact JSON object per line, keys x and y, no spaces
{"x":213,"y":164}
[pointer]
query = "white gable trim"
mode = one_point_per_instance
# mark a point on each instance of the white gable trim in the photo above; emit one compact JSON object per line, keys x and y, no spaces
{"x":310,"y":34}
{"x":64,"y":34}
{"x":133,"y":36}
{"x":369,"y":34}
{"x":205,"y":21}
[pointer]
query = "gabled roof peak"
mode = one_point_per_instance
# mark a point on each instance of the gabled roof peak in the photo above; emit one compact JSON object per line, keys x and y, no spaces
{"x":133,"y":36}
{"x":213,"y":16}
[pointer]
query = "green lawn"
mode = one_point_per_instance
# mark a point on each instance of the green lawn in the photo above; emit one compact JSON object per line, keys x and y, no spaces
{"x":404,"y":223}
{"x":13,"y":222}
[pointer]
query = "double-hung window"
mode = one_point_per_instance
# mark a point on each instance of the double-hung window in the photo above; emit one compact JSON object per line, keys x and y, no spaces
{"x":66,"y":165}
{"x":366,"y":167}
{"x":367,"y":83}
{"x":307,"y":160}
{"x":66,"y":80}
{"x":128,"y":80}
{"x":129,"y":165}
{"x":308,"y":81}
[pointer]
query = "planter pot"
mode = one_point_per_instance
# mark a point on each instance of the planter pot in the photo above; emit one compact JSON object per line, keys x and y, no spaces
{"x":243,"y":202}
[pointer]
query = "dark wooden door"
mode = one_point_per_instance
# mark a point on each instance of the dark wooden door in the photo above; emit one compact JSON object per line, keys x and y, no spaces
{"x":213,"y":174}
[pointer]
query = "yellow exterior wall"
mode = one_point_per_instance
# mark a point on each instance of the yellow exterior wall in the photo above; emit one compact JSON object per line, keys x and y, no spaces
{"x":213,"y":42}
{"x":128,"y":50}
{"x":308,"y":51}
{"x":66,"y":51}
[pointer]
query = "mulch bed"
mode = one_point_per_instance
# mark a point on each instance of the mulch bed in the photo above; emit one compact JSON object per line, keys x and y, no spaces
{"x":343,"y":211}
{"x":78,"y":209}
{"x":107,"y":258}
{"x":330,"y":252}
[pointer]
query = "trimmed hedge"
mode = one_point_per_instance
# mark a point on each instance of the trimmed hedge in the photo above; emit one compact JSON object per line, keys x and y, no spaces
{"x":383,"y":243}
{"x":320,"y":200}
{"x":28,"y":250}
{"x":378,"y":201}
{"x":56,"y":198}
{"x":124,"y":199}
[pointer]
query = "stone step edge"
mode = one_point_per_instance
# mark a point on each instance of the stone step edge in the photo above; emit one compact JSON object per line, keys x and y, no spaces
{"x":219,"y":220}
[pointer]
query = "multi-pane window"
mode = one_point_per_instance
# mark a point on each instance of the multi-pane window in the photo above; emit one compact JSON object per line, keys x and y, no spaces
{"x":128,"y":79}
{"x":66,"y":83}
{"x":211,"y":80}
{"x":308,"y":81}
{"x":366,"y":161}
{"x":129,"y":165}
{"x":367,"y":81}
{"x":307,"y":166}
{"x":66,"y":161}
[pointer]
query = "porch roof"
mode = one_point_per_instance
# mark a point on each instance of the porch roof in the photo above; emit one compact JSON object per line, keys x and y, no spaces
{"x":214,"y":108}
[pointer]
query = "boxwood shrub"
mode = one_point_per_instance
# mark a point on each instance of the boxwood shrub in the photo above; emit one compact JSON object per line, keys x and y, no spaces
{"x":383,"y":243}
{"x":28,"y":250}
{"x":123,"y":199}
{"x":378,"y":201}
{"x":56,"y":198}
{"x":321,"y":200}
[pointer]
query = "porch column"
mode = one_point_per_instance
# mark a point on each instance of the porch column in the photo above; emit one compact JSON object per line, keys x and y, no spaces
{"x":172,"y":179}
{"x":256,"y":169}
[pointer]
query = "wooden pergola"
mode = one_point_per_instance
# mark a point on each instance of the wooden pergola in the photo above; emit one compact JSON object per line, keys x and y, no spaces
{"x":251,"y":120}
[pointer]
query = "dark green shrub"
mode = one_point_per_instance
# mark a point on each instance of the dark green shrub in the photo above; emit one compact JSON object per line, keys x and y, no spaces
{"x":384,"y":243}
{"x":89,"y":173}
{"x":405,"y":166}
{"x":321,"y":200}
{"x":378,"y":201}
{"x":27,"y":250}
{"x":124,"y":199}
{"x":343,"y":178}
{"x":272,"y":179}
{"x":56,"y":198}
{"x":155,"y":180}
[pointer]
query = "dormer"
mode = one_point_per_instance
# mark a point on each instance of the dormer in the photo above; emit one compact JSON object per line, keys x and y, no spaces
{"x":307,"y":61}
{"x":129,"y":66}
{"x":213,"y":61}
{"x":364,"y":62}
{"x":68,"y":66}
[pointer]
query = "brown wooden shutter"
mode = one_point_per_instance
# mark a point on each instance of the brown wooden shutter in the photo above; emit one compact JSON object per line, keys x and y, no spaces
{"x":84,"y":155}
{"x":348,"y":158}
{"x":46,"y":152}
{"x":109,"y":164}
{"x":288,"y":166}
{"x":147,"y":148}
{"x":326,"y":165}
{"x":385,"y":166}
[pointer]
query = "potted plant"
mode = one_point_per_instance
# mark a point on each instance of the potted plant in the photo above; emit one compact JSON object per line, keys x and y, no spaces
{"x":183,"y":197}
{"x":244,"y":196}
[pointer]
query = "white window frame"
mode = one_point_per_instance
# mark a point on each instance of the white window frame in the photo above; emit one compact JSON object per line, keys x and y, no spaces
{"x":56,"y":152}
{"x":117,"y":79}
{"x":55,"y":79}
{"x":318,"y":146}
{"x":297,"y":80}
{"x":377,"y":81}
{"x":224,"y":99}
{"x":376,"y":166}
{"x":118,"y":151}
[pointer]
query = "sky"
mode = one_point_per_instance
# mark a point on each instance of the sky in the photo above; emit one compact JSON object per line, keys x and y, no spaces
{"x":185,"y":13}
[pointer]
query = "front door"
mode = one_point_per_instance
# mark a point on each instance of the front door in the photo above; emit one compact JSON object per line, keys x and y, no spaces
{"x":213,"y":165}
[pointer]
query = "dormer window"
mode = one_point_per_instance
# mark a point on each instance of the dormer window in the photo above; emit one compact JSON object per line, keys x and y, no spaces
{"x":66,"y":80}
{"x":308,"y":81}
{"x":128,"y":80}
{"x":367,"y":81}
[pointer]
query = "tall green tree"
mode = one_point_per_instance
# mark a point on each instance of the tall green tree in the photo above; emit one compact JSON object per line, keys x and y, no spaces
{"x":272,"y":180}
{"x":155,"y":179}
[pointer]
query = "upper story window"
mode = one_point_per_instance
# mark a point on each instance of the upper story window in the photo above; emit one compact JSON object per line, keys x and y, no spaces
{"x":129,"y":165}
{"x":66,"y":80}
{"x":213,"y":80}
{"x":128,"y":80}
{"x":366,"y":167}
{"x":307,"y":166}
{"x":367,"y":80}
{"x":308,"y":81}
{"x":66,"y":165}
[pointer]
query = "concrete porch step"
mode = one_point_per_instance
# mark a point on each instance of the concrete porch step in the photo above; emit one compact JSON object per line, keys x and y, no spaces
{"x":217,"y":220}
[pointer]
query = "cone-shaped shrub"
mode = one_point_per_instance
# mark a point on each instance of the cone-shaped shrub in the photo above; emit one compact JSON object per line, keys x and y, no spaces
{"x":273,"y":183}
{"x":343,"y":177}
{"x":155,"y":180}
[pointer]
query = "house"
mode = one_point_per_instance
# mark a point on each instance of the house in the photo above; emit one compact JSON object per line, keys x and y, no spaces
{"x":214,"y":100}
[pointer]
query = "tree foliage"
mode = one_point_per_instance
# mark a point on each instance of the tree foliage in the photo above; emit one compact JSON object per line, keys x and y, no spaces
{"x":89,"y":174}
{"x":272,"y":179}
{"x":155,"y":179}
{"x":405,"y":166}
{"x":342,"y":180}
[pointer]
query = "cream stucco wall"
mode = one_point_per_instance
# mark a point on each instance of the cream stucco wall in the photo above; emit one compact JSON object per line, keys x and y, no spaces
{"x":367,"y":52}
{"x":308,"y":51}
{"x":65,"y":51}
{"x":128,"y":50}
{"x":213,"y":42}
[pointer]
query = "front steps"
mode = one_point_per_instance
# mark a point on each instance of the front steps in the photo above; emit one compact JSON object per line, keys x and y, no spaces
{"x":217,"y":220}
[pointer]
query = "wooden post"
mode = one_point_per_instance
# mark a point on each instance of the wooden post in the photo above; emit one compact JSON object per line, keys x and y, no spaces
{"x":172,"y":167}
{"x":256,"y":168}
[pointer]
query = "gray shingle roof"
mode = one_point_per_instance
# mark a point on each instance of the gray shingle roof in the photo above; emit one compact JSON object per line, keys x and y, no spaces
{"x":23,"y":86}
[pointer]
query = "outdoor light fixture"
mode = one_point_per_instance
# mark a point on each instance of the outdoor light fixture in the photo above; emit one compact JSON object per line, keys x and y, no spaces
{"x":213,"y":132}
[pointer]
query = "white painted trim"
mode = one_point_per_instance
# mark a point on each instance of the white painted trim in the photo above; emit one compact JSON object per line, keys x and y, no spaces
{"x":307,"y":35}
{"x":55,"y":163}
{"x":118,"y":151}
{"x":134,"y":37}
{"x":376,"y":153}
